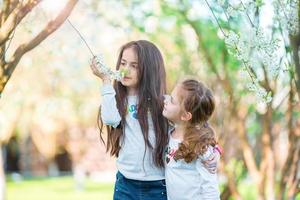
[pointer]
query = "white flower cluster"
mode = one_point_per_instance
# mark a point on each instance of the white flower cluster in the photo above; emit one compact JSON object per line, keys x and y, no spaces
{"x":287,"y":15}
{"x":241,"y":48}
{"x":233,"y":8}
{"x":117,"y":75}
{"x":237,"y":46}
{"x":261,"y":94}
{"x":265,"y":51}
{"x":253,"y":48}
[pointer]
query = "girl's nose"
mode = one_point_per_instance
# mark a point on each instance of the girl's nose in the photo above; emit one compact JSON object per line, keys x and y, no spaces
{"x":128,"y":68}
{"x":125,"y":68}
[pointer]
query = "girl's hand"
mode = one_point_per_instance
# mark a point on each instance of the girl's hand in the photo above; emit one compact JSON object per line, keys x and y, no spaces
{"x":105,"y":78}
{"x":212,"y":163}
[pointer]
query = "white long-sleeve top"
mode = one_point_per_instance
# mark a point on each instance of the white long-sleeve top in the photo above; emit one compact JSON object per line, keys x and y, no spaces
{"x":131,"y":161}
{"x":189,"y":181}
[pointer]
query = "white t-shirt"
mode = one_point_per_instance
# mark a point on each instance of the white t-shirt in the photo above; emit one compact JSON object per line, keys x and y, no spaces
{"x":132,"y":162}
{"x":189,"y":181}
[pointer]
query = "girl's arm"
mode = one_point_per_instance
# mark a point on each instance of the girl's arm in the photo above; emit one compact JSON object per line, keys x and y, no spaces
{"x":209,"y":184}
{"x":109,"y":111}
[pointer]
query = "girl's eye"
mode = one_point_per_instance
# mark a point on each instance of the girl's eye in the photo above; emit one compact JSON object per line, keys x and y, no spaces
{"x":134,"y":66}
{"x":167,"y":97}
{"x":123,"y":64}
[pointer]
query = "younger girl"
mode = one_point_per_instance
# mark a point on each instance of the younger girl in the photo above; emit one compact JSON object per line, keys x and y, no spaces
{"x":192,"y":141}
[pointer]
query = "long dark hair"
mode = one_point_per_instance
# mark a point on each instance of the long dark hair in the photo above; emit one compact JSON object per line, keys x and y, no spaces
{"x":151,"y":88}
{"x":197,"y":99}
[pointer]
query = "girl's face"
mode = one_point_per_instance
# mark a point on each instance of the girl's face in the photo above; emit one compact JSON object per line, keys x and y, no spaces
{"x":129,"y":62}
{"x":172,"y":106}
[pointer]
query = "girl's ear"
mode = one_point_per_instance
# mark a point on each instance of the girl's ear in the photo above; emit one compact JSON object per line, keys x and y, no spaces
{"x":186,"y":116}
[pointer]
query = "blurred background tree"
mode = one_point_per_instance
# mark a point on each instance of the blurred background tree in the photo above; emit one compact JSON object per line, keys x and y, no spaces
{"x":12,"y":13}
{"x":56,"y":109}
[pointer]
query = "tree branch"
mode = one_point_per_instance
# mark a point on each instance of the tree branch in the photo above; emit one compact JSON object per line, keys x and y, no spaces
{"x":4,"y":11}
{"x":13,"y":5}
{"x":14,"y":19}
{"x":24,"y":48}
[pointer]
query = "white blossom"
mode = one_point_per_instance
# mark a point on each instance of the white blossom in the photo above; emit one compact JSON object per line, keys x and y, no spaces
{"x":221,"y":2}
{"x":231,"y":11}
{"x":117,"y":75}
{"x":261,"y":94}
{"x":232,"y":39}
{"x":287,"y":15}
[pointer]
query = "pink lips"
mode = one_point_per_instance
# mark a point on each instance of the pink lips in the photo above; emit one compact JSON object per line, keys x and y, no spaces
{"x":126,"y":78}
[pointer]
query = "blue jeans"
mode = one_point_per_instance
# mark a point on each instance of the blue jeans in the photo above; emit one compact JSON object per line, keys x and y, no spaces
{"x":128,"y":189}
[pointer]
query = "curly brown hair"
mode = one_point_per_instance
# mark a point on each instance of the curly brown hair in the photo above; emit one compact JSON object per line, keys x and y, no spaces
{"x":197,"y":99}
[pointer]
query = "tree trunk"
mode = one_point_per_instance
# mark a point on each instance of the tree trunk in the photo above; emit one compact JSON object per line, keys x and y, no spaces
{"x":2,"y":176}
{"x":249,"y":156}
{"x":268,"y":155}
{"x":231,"y":189}
{"x":295,"y":44}
{"x":289,"y":180}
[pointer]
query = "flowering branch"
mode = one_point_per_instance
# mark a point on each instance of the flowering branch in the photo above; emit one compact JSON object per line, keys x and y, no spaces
{"x":241,"y":50}
{"x":118,"y":75}
{"x":252,"y":24}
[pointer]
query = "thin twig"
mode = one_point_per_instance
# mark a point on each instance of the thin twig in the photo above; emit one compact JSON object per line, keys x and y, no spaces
{"x":81,"y":37}
{"x":227,"y":17}
{"x":283,"y":9}
{"x":252,"y":24}
{"x":215,"y":18}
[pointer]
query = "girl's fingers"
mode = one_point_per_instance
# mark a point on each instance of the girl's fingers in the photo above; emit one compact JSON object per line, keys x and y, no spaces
{"x":93,"y":66}
{"x":93,"y":62}
{"x":211,"y":159}
{"x":212,"y":163}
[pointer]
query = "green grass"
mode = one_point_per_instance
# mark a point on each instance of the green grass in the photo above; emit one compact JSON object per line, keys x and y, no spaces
{"x":63,"y":188}
{"x":247,"y":191}
{"x":59,"y":188}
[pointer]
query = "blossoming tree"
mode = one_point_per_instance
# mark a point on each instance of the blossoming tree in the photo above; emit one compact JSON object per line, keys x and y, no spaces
{"x":11,"y":15}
